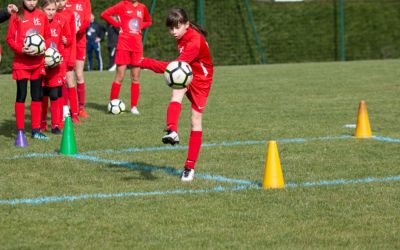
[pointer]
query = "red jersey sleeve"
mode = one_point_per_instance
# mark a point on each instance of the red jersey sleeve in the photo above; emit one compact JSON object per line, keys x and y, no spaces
{"x":146,"y":19}
{"x":66,"y":32}
{"x":86,"y":18}
{"x":108,"y":13}
{"x":12,"y":31}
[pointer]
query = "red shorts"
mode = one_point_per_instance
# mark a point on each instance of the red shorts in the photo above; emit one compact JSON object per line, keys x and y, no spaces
{"x":53,"y":77}
{"x":81,"y":53}
{"x":30,"y":74}
{"x":198,"y":95}
{"x":125,"y":57}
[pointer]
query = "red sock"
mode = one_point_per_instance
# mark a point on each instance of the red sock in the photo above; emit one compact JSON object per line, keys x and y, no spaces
{"x":173,"y":113}
{"x":20,"y":114}
{"x":81,"y":94}
{"x":115,"y":88}
{"x":73,"y":101}
{"x":45,"y":107}
{"x":36,"y":112}
{"x":194,"y":148}
{"x":65,"y":94}
{"x":135,"y":93}
{"x":54,"y":109}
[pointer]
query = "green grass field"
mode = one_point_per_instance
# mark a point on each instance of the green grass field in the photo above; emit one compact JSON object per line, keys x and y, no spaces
{"x":122,"y":191}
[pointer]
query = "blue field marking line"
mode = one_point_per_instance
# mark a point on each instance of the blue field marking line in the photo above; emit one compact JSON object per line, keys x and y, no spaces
{"x":178,"y":147}
{"x":385,"y":139}
{"x":72,"y":198}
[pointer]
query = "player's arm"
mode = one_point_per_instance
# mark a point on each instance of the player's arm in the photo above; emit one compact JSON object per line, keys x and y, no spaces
{"x":146,"y":19}
{"x":85,"y":21}
{"x":190,"y":51}
{"x":66,"y":35}
{"x":154,"y":65}
{"x":107,"y":16}
{"x":11,"y":35}
{"x":4,"y":15}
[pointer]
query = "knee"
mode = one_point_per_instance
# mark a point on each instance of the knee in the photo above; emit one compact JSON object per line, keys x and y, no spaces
{"x":196,"y":121}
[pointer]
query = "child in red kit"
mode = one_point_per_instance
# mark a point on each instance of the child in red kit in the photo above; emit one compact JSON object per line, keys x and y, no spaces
{"x":27,"y":65}
{"x":69,"y":92}
{"x":133,"y":18}
{"x":194,"y":50}
{"x":82,"y":10}
{"x":59,"y":36}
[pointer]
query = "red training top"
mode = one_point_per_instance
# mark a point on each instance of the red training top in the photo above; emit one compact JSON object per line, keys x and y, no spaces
{"x":82,"y":10}
{"x":132,"y":19}
{"x":18,"y":29}
{"x":69,"y":52}
{"x":194,"y":50}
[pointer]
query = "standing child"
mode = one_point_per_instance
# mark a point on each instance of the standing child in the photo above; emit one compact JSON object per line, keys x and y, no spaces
{"x":194,"y":50}
{"x":59,"y":36}
{"x":133,"y":17}
{"x":82,"y":10}
{"x":69,"y":92}
{"x":27,"y":65}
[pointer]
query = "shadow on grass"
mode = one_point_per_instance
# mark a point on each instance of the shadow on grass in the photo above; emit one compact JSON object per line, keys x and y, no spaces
{"x":99,"y":107}
{"x":146,"y":170}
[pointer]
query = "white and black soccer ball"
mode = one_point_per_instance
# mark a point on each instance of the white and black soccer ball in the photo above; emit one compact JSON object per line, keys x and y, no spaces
{"x":35,"y":42}
{"x":52,"y":57}
{"x":116,"y":107}
{"x":178,"y":75}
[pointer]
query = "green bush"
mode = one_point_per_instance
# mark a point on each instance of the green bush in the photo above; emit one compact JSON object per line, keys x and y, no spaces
{"x":289,"y":32}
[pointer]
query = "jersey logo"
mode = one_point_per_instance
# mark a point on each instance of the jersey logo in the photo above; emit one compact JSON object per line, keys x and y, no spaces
{"x":78,"y":7}
{"x":139,"y":14}
{"x":53,"y":32}
{"x":24,"y":21}
{"x":181,"y":50}
{"x":129,"y":11}
{"x":36,"y":21}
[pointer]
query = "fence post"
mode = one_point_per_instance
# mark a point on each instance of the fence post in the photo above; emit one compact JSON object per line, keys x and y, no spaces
{"x":255,"y":34}
{"x":200,"y":13}
{"x":342,"y":56}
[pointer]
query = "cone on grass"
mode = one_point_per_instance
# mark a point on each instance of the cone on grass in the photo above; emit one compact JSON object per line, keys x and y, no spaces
{"x":273,"y":177}
{"x":20,"y":141}
{"x":68,"y":144}
{"x":363,"y":129}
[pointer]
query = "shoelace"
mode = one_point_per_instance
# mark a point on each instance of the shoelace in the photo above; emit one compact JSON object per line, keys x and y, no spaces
{"x":186,"y":172}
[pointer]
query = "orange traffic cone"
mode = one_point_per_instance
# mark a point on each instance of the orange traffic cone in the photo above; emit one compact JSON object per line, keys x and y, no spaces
{"x":363,"y":129}
{"x":273,"y":177}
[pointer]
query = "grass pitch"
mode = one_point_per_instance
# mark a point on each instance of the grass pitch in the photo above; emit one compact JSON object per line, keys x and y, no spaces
{"x":122,"y":191}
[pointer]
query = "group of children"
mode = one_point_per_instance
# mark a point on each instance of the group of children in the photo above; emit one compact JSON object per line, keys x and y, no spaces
{"x":65,"y":29}
{"x":61,"y":23}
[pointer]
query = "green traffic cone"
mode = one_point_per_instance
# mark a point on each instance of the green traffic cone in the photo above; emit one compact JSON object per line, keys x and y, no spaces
{"x":68,"y":144}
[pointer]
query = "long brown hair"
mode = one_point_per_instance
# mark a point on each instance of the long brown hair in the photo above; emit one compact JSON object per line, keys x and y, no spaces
{"x":44,"y":3}
{"x":177,"y":16}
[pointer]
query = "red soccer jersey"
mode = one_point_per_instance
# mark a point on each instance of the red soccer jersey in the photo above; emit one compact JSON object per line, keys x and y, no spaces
{"x":69,"y":52}
{"x":194,"y":50}
{"x":132,"y":19}
{"x":18,"y":29}
{"x":82,"y":10}
{"x":57,"y":28}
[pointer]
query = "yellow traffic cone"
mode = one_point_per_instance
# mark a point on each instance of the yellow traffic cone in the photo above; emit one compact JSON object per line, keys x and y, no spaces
{"x":273,"y":177}
{"x":363,"y":129}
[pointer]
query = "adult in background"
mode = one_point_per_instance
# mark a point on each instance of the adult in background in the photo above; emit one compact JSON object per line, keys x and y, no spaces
{"x":5,"y":15}
{"x":94,"y":34}
{"x":112,"y":39}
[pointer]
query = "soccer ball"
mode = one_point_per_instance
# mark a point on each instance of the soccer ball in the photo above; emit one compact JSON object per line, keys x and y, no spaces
{"x":35,"y":42}
{"x":52,"y":57}
{"x":178,"y":75}
{"x":116,"y":107}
